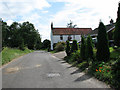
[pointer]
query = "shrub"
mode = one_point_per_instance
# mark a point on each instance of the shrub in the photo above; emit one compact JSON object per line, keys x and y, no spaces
{"x":46,"y":44}
{"x":89,"y":48}
{"x":83,"y":65}
{"x":82,"y":49}
{"x":59,"y":46}
{"x":68,"y":48}
{"x":74,"y":46}
{"x":76,"y":57}
{"x":116,"y":73}
{"x":103,"y":52}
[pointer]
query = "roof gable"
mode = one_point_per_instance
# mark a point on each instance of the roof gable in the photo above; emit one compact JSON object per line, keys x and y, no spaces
{"x":109,"y":27}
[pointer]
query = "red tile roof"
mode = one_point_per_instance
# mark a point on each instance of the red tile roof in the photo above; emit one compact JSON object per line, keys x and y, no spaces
{"x":71,"y":31}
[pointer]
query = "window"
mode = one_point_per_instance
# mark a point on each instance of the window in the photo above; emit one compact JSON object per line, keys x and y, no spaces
{"x":69,"y":37}
{"x":61,"y":37}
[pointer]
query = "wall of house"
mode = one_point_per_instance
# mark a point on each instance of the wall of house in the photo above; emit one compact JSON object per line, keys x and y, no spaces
{"x":51,"y":36}
{"x":56,"y":38}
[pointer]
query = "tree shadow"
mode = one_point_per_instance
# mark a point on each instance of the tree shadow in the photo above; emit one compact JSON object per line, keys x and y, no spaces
{"x":83,"y":77}
{"x":71,"y":66}
{"x":77,"y":71}
{"x":62,"y":61}
{"x":59,"y":60}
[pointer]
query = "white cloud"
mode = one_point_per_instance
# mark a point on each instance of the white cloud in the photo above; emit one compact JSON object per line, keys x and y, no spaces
{"x":13,"y":8}
{"x":86,"y":13}
{"x":44,"y":11}
{"x":9,"y":22}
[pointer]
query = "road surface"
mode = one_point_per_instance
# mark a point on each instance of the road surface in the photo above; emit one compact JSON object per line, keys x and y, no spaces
{"x":44,"y":70}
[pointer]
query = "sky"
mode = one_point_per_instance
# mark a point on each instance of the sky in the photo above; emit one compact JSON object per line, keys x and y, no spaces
{"x":83,"y":13}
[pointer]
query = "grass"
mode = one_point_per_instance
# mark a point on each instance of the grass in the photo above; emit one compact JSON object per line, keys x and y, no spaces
{"x":53,"y":51}
{"x":9,"y":54}
{"x":101,"y":70}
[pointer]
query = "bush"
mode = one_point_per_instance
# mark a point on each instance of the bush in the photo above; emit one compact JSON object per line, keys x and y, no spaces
{"x":46,"y":44}
{"x":83,"y":49}
{"x":76,"y":57}
{"x":74,"y":46}
{"x":116,"y":73}
{"x":68,"y":48}
{"x":59,"y":46}
{"x":89,"y":48}
{"x":83,"y":65}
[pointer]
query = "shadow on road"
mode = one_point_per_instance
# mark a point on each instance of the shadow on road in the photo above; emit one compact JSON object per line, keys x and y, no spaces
{"x":83,"y":77}
{"x":71,"y":66}
{"x":77,"y":71}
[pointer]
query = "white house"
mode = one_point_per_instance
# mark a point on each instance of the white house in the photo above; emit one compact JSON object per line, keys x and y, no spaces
{"x":64,"y":34}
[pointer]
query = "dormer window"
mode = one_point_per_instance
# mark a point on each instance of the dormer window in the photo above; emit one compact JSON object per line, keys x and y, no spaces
{"x":61,"y":37}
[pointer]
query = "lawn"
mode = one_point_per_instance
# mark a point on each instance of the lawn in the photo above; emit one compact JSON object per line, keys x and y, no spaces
{"x":9,"y":54}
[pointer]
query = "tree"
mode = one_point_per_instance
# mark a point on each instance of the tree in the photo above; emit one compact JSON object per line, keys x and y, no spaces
{"x":70,"y":25}
{"x":38,"y":44}
{"x":30,"y":35}
{"x":103,"y":52}
{"x":89,"y":48}
{"x":21,"y":44}
{"x":117,"y":29}
{"x":74,"y":46}
{"x":68,"y":48}
{"x":46,"y":44}
{"x":5,"y":33}
{"x":20,"y":35}
{"x":83,"y":48}
{"x":14,"y":34}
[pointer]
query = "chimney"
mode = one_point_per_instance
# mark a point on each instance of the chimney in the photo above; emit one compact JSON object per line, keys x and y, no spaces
{"x":51,"y":25}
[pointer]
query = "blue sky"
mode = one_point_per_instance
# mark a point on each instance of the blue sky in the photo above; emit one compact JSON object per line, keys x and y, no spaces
{"x":84,"y":13}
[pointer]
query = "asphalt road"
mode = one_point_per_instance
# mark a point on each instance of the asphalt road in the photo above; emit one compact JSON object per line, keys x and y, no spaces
{"x":43,"y":70}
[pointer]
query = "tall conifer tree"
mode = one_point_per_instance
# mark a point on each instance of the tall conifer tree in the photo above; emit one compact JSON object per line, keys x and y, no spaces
{"x":117,"y":29}
{"x":103,"y":52}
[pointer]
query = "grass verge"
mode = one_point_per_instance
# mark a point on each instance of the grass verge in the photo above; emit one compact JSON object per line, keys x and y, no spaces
{"x":8,"y":54}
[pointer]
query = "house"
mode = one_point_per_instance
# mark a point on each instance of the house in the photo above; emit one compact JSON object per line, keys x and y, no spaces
{"x":109,"y":28}
{"x":64,"y":34}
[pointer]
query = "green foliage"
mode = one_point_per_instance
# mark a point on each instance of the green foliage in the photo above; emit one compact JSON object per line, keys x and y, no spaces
{"x":76,"y":57}
{"x":46,"y":44}
{"x":83,"y":48}
{"x":9,"y":54}
{"x":110,"y":70}
{"x":5,"y":33}
{"x":59,"y":46}
{"x":74,"y":46}
{"x":103,"y":52}
{"x":83,"y":65}
{"x":116,"y":73}
{"x":89,"y":48}
{"x":18,"y":34}
{"x":117,"y":29}
{"x":21,"y":44}
{"x":68,"y":48}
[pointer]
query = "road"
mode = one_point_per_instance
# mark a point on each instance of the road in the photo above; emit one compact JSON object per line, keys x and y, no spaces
{"x":44,"y":70}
